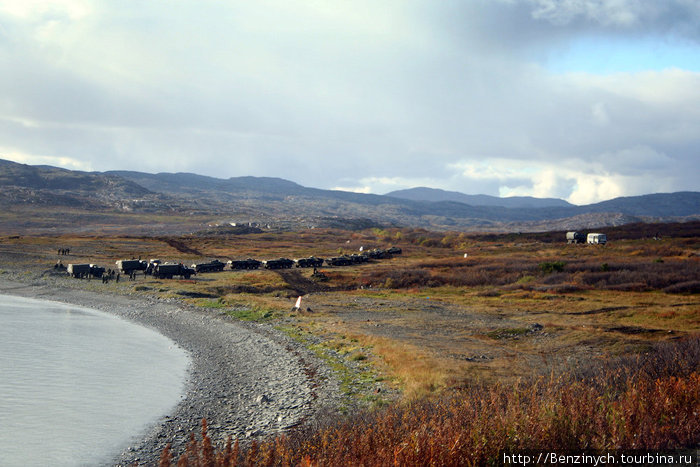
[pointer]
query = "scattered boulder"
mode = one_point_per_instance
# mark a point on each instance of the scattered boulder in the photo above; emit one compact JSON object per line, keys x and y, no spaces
{"x":262,"y":399}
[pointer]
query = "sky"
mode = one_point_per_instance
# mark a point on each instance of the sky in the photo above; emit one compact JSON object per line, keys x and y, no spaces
{"x":583,"y":100}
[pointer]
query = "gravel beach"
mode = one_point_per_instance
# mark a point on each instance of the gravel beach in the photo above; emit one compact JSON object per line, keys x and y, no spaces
{"x":247,"y":380}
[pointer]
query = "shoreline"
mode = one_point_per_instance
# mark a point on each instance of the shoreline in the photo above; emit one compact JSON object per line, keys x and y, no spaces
{"x":246,"y":379}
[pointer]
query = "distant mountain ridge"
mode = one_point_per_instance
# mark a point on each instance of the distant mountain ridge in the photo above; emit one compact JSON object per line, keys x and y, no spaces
{"x":193,"y":183}
{"x":42,"y":177}
{"x":285,"y":203}
{"x":436,"y":195}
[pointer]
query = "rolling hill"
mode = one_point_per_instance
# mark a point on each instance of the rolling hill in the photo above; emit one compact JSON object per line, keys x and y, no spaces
{"x":286,"y":204}
{"x":436,"y":195}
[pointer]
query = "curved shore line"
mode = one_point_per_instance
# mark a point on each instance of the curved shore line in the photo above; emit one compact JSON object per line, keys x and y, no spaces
{"x":247,"y":380}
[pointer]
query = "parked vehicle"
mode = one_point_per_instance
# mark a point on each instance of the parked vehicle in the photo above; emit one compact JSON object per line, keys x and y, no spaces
{"x":575,"y":237}
{"x":78,"y":270}
{"x":378,"y":253}
{"x":150,"y":267}
{"x":249,"y":263}
{"x":310,"y":262}
{"x":96,"y":271}
{"x":82,"y":271}
{"x":212,"y":266}
{"x":339,"y":261}
{"x":169,"y":270}
{"x":358,"y":259}
{"x":127,"y":266}
{"x":281,"y":263}
{"x":597,"y":239}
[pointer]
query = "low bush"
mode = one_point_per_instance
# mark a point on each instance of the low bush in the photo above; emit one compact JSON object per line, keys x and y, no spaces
{"x":648,"y":402}
{"x":562,"y":288}
{"x":689,"y":287}
{"x":630,"y":287}
{"x":549,"y":267}
{"x":629,"y":275}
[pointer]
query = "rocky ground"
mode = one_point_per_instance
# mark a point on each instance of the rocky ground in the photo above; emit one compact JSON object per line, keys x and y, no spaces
{"x":247,"y":380}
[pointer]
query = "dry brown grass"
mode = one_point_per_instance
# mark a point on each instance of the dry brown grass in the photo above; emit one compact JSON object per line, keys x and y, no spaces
{"x":621,"y":298}
{"x":435,"y":321}
{"x":417,"y":372}
{"x":647,"y":403}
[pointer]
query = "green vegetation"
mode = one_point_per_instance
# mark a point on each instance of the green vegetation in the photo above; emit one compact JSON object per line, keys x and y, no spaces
{"x":253,"y":314}
{"x":218,"y":303}
{"x":355,"y":372}
{"x":549,"y":267}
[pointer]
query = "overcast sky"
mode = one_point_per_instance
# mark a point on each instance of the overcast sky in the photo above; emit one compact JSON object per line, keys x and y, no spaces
{"x":584,"y":100}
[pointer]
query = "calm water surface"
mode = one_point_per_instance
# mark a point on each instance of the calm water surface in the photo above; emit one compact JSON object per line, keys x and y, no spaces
{"x":76,"y":385}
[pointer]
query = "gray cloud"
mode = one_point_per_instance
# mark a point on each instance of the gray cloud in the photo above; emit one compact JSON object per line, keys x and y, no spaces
{"x":680,"y":17}
{"x":359,"y":95}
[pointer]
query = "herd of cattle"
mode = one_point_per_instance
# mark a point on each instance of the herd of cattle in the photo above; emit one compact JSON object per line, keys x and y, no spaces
{"x":168,"y":270}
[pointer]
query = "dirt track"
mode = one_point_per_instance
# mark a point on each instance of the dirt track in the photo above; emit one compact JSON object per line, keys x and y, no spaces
{"x":301,"y":284}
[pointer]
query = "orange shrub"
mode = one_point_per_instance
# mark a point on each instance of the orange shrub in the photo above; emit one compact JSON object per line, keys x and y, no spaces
{"x":622,"y":404}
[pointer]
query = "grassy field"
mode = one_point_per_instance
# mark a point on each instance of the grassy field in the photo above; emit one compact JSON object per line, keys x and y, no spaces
{"x":431,"y":318}
{"x":454,"y":311}
{"x":645,"y":405}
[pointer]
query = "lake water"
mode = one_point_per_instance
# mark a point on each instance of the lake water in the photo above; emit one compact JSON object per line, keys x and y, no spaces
{"x":76,"y":385}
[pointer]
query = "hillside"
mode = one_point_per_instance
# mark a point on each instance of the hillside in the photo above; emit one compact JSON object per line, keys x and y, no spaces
{"x":53,"y":186}
{"x":54,"y":178}
{"x":284,"y":204}
{"x":419,"y":201}
{"x":180,"y":183}
{"x":682,"y":203}
{"x":436,"y":195}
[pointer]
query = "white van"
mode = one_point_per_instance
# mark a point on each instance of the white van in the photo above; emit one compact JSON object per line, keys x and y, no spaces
{"x":597,"y":239}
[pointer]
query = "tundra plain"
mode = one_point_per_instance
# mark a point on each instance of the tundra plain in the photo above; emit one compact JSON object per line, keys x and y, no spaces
{"x":452,"y":312}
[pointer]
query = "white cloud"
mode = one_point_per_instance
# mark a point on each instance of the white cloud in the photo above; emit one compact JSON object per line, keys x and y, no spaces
{"x":671,"y":87}
{"x":606,"y":12}
{"x":37,"y":9}
{"x":579,"y":182}
{"x":354,"y":189}
{"x":35,"y":159}
{"x":593,"y":188}
{"x":680,"y":16}
{"x":366,"y":95}
{"x":600,"y":113}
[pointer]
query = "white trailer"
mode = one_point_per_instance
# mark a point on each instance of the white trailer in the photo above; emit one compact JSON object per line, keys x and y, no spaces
{"x":597,"y":239}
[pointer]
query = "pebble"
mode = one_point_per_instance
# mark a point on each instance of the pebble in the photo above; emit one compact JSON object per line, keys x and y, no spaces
{"x":238,"y":388}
